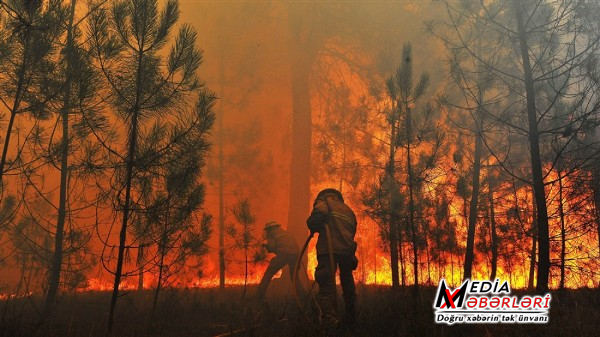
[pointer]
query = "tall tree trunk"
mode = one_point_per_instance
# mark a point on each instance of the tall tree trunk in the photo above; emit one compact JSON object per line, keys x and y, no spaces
{"x":474,"y":203}
{"x":563,"y":239}
{"x":411,"y":202}
{"x":304,"y":43}
{"x":21,"y":278}
{"x":64,"y":169}
{"x":536,"y":162}
{"x":596,"y":191}
{"x":140,"y":265}
{"x":245,"y":269}
{"x":343,"y":163}
{"x":221,"y":184}
{"x":375,"y":264}
{"x":532,"y":256}
{"x":392,"y":205}
{"x":303,"y":50}
{"x":161,"y":265}
{"x":125,"y":220}
{"x":30,"y":276}
{"x":299,"y":200}
{"x":428,"y":258}
{"x":16,"y":104}
{"x":494,"y":234}
{"x":128,"y":180}
{"x":401,"y":256}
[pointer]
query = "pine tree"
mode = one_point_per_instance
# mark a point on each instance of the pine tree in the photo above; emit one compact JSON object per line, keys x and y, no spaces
{"x":27,"y":46}
{"x":127,"y":41}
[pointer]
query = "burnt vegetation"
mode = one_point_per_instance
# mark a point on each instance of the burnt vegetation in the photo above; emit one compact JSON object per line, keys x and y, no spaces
{"x":145,"y":142}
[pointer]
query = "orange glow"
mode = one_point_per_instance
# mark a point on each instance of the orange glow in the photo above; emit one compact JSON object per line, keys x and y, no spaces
{"x":253,"y":83}
{"x":4,"y":297}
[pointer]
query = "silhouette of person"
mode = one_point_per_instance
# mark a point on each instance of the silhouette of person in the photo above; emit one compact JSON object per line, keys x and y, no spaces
{"x":330,"y":210}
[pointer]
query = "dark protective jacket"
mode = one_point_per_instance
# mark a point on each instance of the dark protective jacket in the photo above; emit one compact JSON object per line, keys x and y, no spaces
{"x":342,"y":225}
{"x":281,"y":242}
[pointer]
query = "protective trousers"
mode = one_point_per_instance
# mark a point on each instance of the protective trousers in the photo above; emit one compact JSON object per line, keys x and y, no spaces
{"x":326,"y":296}
{"x":277,"y":263}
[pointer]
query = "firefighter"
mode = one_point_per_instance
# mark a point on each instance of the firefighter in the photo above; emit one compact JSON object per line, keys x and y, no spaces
{"x":286,"y":250}
{"x":330,"y":210}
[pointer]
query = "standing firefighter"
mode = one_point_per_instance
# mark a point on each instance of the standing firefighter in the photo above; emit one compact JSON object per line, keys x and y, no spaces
{"x":331,"y":216}
{"x":283,"y":244}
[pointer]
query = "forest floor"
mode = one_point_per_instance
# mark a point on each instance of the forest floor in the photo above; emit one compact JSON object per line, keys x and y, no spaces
{"x":211,"y":312}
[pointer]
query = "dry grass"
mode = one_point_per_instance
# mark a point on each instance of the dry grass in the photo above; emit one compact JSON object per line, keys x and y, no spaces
{"x":210,"y":312}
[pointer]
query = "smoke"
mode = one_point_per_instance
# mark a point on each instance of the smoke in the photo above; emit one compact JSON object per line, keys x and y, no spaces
{"x":247,"y":63}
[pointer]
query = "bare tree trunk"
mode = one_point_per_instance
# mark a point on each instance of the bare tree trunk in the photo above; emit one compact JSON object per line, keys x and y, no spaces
{"x":123,"y":232}
{"x":245,"y":271}
{"x":221,"y":185}
{"x":428,"y":258}
{"x":140,"y":264}
{"x":301,"y":155}
{"x":561,"y":214}
{"x":160,"y":275}
{"x":536,"y":162}
{"x":128,"y":180}
{"x":473,"y":206}
{"x":411,"y":203}
{"x":394,"y":243}
{"x":401,"y":256}
{"x":16,"y":103}
{"x":375,"y":264}
{"x":392,"y":203}
{"x":64,"y":170}
{"x":301,"y":64}
{"x":494,"y":234}
{"x":29,"y":276}
{"x":161,"y":264}
{"x":596,"y":191}
{"x":532,"y":256}
{"x":22,"y":277}
{"x":343,"y":166}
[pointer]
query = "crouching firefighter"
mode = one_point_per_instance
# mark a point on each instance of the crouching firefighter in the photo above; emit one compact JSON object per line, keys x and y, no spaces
{"x":336,"y":224}
{"x":286,"y":250}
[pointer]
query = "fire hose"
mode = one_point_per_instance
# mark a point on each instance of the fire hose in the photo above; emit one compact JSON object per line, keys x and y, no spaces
{"x":297,"y":268}
{"x":332,"y":268}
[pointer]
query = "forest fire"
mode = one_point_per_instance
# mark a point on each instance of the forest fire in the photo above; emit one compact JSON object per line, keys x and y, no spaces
{"x":147,"y":144}
{"x":5,"y":297}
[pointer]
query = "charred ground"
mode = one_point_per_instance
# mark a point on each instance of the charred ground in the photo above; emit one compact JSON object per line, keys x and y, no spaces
{"x":211,"y":312}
